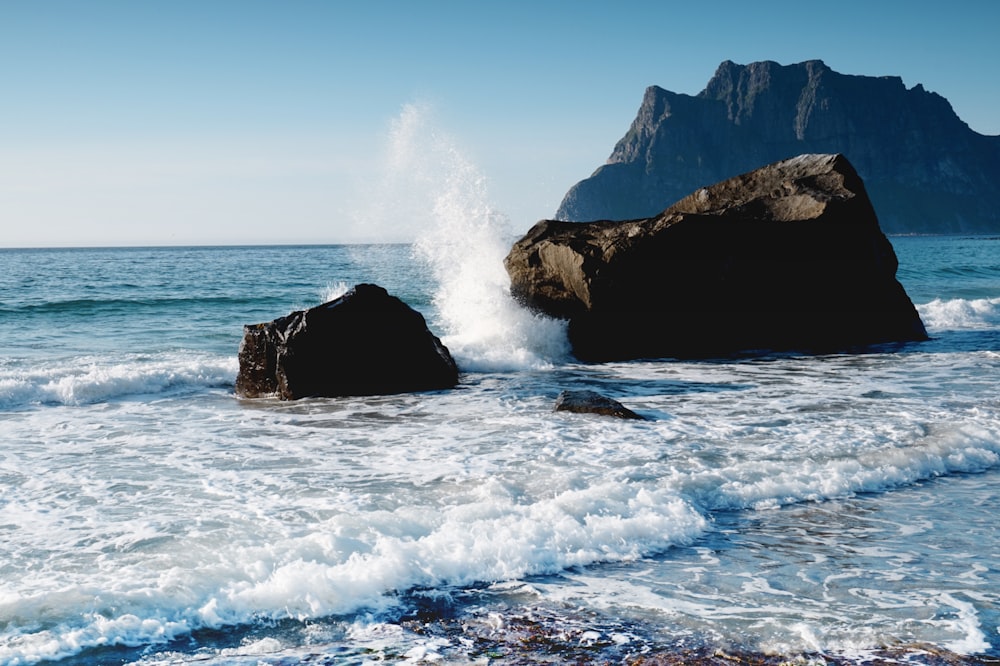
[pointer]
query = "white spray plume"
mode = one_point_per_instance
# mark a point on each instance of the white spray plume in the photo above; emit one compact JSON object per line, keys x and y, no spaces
{"x":464,"y":240}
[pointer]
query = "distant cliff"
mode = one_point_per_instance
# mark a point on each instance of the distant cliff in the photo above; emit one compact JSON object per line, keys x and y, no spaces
{"x":925,"y":170}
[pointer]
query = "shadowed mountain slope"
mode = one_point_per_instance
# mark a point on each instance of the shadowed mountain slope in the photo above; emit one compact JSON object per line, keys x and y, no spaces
{"x":925,"y":170}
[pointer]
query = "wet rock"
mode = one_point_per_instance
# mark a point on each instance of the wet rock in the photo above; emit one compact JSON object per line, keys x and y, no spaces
{"x":787,"y":257}
{"x":591,"y":402}
{"x":366,"y":342}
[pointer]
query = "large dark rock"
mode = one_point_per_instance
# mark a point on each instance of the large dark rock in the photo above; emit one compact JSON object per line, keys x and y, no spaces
{"x":364,"y":343}
{"x":925,"y":169}
{"x":787,"y":257}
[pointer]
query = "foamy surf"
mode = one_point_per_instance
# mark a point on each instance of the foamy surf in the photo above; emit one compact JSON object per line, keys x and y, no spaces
{"x":91,"y":380}
{"x":340,"y":507}
{"x":960,"y":314}
{"x":341,"y":566}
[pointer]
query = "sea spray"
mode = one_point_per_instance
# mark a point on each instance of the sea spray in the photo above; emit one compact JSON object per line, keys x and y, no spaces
{"x":334,"y":291}
{"x":463,"y":238}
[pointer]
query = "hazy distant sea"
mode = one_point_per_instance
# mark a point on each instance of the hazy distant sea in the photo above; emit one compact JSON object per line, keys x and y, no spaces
{"x":830,"y":506}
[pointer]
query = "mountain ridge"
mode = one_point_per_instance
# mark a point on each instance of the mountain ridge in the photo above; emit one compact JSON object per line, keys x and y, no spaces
{"x":926,"y":171}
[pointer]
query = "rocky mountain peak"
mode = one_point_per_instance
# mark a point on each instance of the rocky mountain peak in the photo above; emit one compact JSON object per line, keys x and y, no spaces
{"x":926,"y":170}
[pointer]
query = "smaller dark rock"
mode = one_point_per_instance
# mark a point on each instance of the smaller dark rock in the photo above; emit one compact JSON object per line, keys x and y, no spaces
{"x":366,"y":342}
{"x":591,"y":402}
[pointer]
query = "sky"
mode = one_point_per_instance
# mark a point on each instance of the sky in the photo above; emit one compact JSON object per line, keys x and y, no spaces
{"x":208,"y":122}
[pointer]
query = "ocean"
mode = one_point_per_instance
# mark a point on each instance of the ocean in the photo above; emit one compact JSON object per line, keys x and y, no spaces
{"x":826,"y":509}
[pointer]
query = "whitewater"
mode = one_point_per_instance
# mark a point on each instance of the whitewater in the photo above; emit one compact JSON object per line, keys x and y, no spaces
{"x":832,"y":507}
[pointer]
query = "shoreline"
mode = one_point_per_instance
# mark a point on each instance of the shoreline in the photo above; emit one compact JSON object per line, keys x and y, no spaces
{"x":534,"y":635}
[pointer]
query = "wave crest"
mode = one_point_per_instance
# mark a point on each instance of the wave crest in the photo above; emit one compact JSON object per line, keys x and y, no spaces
{"x":93,"y":380}
{"x":960,"y":314}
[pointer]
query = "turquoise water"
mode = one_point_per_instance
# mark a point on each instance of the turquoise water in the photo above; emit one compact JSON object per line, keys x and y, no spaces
{"x":833,"y":505}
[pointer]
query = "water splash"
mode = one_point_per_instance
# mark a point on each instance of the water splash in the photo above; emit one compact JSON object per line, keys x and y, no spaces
{"x":463,"y":239}
{"x":334,"y":291}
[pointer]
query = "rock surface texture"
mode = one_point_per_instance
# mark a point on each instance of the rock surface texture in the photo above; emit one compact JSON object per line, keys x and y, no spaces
{"x":925,"y":169}
{"x":591,"y":402}
{"x":787,"y":257}
{"x":366,"y":342}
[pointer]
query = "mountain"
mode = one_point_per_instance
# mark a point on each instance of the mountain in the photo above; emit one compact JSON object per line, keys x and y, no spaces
{"x":925,"y":170}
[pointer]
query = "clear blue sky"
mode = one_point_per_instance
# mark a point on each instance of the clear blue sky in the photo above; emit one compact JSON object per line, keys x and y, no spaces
{"x":217,"y":121}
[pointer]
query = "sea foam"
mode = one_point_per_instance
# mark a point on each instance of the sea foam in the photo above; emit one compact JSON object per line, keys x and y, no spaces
{"x":90,"y":380}
{"x":463,"y":238}
{"x":342,"y":568}
{"x":960,"y":314}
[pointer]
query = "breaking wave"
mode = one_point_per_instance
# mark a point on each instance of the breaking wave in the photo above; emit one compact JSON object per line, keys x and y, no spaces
{"x":961,"y":314}
{"x":90,"y":380}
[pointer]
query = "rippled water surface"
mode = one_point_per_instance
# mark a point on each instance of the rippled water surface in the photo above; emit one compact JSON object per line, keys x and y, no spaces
{"x":833,"y":505}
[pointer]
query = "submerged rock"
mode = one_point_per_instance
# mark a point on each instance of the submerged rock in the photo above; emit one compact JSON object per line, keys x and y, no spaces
{"x":591,"y":402}
{"x":366,"y":342}
{"x":787,"y":257}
